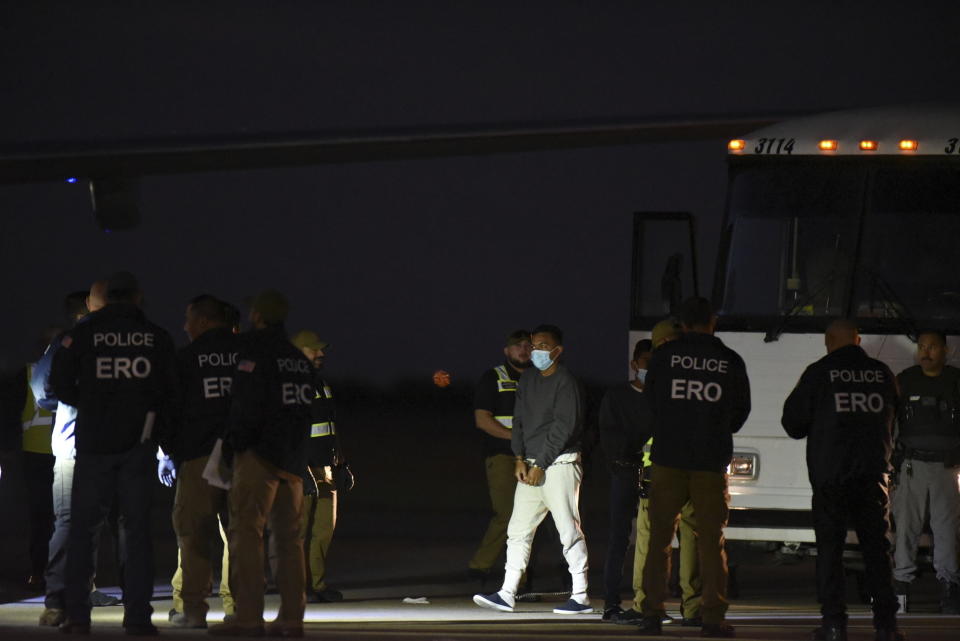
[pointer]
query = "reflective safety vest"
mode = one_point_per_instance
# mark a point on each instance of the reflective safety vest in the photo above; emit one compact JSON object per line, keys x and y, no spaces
{"x":323,"y":428}
{"x":505,"y":384}
{"x":37,"y":423}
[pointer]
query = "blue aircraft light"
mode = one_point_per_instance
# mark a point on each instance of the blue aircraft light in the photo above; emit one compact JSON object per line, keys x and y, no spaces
{"x":71,"y":180}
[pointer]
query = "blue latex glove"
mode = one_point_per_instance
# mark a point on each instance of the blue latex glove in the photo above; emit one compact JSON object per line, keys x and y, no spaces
{"x":166,"y":471}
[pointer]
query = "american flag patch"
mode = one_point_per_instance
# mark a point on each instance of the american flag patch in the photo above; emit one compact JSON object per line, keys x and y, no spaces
{"x":67,"y":341}
{"x":246,"y":366}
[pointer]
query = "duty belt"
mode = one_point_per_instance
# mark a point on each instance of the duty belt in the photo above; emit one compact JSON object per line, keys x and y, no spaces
{"x":928,"y":456}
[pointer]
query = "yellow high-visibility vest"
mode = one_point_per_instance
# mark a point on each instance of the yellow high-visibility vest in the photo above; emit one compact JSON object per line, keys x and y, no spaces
{"x":37,"y":423}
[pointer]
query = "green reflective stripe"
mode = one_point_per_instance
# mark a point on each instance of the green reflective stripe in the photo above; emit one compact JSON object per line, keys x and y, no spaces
{"x":504,"y":382}
{"x":646,"y":452}
{"x":506,"y":421}
{"x":322,"y":429}
{"x":502,"y":374}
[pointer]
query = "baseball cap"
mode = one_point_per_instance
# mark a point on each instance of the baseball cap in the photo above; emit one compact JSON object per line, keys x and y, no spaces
{"x":309,"y":339}
{"x":666,"y":329}
{"x":271,"y":305}
{"x":122,"y":283}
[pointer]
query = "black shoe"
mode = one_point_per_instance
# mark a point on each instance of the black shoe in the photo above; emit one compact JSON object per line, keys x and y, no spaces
{"x":949,"y":598}
{"x":75,"y":627}
{"x":141,"y":630}
{"x":692,"y":622}
{"x":627,"y":617}
{"x":888,"y":634}
{"x":830,"y":633}
{"x":650,"y":625}
{"x":326,"y":595}
{"x":609,"y":614}
{"x":100,"y":599}
{"x":718,"y":630}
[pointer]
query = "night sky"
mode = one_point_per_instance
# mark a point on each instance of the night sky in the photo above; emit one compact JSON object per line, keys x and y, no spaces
{"x":409,"y":266}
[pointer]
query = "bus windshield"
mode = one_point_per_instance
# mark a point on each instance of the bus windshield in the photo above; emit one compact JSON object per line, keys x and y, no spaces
{"x":794,"y":238}
{"x":910,"y":258}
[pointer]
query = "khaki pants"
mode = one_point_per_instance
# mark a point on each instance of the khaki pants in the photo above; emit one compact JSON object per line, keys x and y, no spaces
{"x":670,"y":489}
{"x":502,"y":485}
{"x":690,"y":585}
{"x":196,"y":521}
{"x":262,"y":493}
{"x":317,"y":526}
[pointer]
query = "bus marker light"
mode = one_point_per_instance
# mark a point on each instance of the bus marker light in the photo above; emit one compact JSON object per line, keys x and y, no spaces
{"x":868,"y":145}
{"x":827,"y":145}
{"x":908,"y":145}
{"x":737,"y":145}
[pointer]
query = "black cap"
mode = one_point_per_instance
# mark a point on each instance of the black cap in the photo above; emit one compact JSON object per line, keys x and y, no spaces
{"x":121,"y":285}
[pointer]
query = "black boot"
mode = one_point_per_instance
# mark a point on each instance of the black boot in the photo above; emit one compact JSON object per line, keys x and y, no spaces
{"x":949,"y":598}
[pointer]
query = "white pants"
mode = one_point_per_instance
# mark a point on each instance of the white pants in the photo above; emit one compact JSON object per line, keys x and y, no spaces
{"x":559,"y":495}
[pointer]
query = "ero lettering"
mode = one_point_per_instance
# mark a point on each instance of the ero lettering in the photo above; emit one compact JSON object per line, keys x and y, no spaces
{"x":684,"y":390}
{"x":846,"y":402}
{"x":217,"y":386}
{"x":122,"y":367}
{"x":293,"y":394}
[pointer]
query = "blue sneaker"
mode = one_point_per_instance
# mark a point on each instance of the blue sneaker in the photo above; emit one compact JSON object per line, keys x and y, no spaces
{"x":492,"y":602}
{"x":572,"y":607}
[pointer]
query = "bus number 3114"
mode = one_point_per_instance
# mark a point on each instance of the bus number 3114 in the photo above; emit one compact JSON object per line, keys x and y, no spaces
{"x":774,"y":146}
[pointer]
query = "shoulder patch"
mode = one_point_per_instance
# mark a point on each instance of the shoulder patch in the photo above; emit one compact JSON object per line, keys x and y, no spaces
{"x":246,"y":366}
{"x":67,"y":341}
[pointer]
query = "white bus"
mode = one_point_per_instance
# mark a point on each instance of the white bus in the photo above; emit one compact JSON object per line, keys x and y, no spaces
{"x":853,"y":213}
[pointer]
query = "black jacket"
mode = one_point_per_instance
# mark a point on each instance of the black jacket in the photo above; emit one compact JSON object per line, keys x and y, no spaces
{"x":625,"y":424}
{"x":272,"y":393}
{"x":205,"y":371}
{"x":114,"y":368}
{"x":699,"y":395}
{"x":844,"y":404}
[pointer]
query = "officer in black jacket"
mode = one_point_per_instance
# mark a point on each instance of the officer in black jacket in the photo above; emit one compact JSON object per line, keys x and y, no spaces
{"x":118,"y":370}
{"x":205,"y":371}
{"x":844,"y":405}
{"x":699,"y":396}
{"x":320,"y":511}
{"x":269,"y":428}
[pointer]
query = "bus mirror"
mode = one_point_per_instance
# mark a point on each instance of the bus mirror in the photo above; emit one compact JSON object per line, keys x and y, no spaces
{"x":671,"y":287}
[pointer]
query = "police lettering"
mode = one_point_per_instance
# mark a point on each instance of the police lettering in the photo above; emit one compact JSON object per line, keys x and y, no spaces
{"x":694,"y":390}
{"x":857,"y":375}
{"x":122,"y":367}
{"x":293,"y":394}
{"x":215,"y":359}
{"x":127,"y":339}
{"x":699,"y":364}
{"x":293,"y":365}
{"x":860,"y":402}
{"x":217,"y":386}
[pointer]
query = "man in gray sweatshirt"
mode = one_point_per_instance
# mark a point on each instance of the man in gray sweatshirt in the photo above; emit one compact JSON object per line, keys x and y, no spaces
{"x":547,"y":426}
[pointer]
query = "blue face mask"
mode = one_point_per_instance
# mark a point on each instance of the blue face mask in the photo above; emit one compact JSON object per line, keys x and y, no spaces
{"x":541,"y":359}
{"x":641,"y":376}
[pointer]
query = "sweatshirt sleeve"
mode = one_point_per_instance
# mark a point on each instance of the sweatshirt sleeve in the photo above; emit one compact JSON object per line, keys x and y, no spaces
{"x":567,"y":412}
{"x":798,"y":410}
{"x":65,"y":370}
{"x":613,"y":437}
{"x":516,"y":433}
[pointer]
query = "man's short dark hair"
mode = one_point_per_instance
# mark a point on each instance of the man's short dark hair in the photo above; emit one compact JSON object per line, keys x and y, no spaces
{"x":933,"y":332}
{"x":643,"y":345}
{"x":209,"y":307}
{"x":553,"y":330}
{"x":75,"y":306}
{"x":518,"y":336}
{"x":696,"y":311}
{"x":122,"y":287}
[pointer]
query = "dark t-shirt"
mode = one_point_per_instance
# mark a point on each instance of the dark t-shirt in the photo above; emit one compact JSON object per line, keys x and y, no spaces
{"x":625,"y":424}
{"x":497,"y":397}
